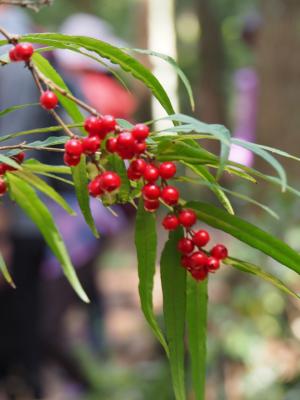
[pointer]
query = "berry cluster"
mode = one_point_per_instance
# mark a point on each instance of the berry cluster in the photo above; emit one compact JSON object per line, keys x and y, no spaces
{"x":21,"y":52}
{"x":19,"y":158}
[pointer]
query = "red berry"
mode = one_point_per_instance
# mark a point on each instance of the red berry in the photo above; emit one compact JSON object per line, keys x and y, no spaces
{"x":111,"y":144}
{"x":167,"y":170}
{"x":24,"y":51}
{"x":212,"y":264}
{"x":140,"y":147}
{"x":151,"y":173}
{"x":109,"y":181}
{"x":71,"y":161}
{"x":187,"y":217}
{"x":140,"y":131}
{"x":94,"y":188}
{"x":170,"y":195}
{"x":186,"y":261}
{"x":125,"y":141}
{"x":201,"y":238}
{"x":3,"y":168}
{"x":91,"y":144}
{"x":185,"y":246}
{"x":151,"y":205}
{"x":199,"y":274}
{"x":219,"y":251}
{"x":198,"y":259}
{"x":108,"y":124}
{"x":132,"y":175}
{"x":170,"y":222}
{"x":3,"y":186}
{"x":151,"y":191}
{"x":93,"y":125}
{"x":138,"y":166}
{"x":74,"y":147}
{"x":126,"y":154}
{"x":19,"y":157}
{"x":12,"y":55}
{"x":48,"y":100}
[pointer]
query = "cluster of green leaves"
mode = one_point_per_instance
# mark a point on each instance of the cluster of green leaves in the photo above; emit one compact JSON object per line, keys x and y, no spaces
{"x":185,"y":300}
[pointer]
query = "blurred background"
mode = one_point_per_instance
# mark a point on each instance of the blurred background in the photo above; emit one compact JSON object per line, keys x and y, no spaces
{"x":243,"y":61}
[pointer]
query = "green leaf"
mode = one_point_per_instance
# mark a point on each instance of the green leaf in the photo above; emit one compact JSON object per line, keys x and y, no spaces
{"x":266,"y":156}
{"x":178,"y":70}
{"x":170,"y":151}
{"x":118,"y":165}
{"x":5,"y":272}
{"x":46,"y":69}
{"x":81,"y":188}
{"x":15,"y":108}
{"x":43,"y":187}
{"x":37,"y":166}
{"x":208,"y":177}
{"x":146,"y":243}
{"x":9,"y":161}
{"x":112,"y":53}
{"x":197,"y":299}
{"x":35,"y":209}
{"x":50,"y":141}
{"x":279,"y":152}
{"x":255,"y":270}
{"x":173,"y":279}
{"x":247,"y":233}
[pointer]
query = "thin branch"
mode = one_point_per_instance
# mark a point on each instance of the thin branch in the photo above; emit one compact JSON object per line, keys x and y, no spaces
{"x":24,"y":146}
{"x":34,"y":5}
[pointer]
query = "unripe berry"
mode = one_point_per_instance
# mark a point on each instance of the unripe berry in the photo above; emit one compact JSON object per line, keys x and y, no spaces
{"x":71,"y":161}
{"x":219,"y":251}
{"x":212,"y":264}
{"x":187,"y":217}
{"x":140,"y":131}
{"x":48,"y":100}
{"x":3,"y":186}
{"x":199,"y":274}
{"x":111,"y":144}
{"x":151,"y":173}
{"x":91,"y":144}
{"x":74,"y":147}
{"x":151,"y":205}
{"x":24,"y":51}
{"x":138,"y":166}
{"x":170,"y":222}
{"x":109,"y":181}
{"x":109,"y":124}
{"x":94,"y":188}
{"x":198,"y":259}
{"x":201,"y":238}
{"x":151,"y":191}
{"x":125,"y":141}
{"x":139,"y":147}
{"x":185,"y":246}
{"x":170,"y":195}
{"x":93,"y":125}
{"x":167,"y":170}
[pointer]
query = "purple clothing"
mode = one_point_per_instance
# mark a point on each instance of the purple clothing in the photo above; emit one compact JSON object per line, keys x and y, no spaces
{"x":245,"y":115}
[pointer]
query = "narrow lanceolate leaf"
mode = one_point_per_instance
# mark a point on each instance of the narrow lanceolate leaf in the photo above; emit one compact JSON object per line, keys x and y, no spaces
{"x":179,"y":151}
{"x":35,"y":209}
{"x":5,"y":272}
{"x":43,"y":187}
{"x":9,"y":161}
{"x":81,"y":188}
{"x":173,"y":280}
{"x":197,"y":299}
{"x":146,"y":243}
{"x":15,"y":108}
{"x":118,"y":165}
{"x":247,"y":233}
{"x":204,"y":173}
{"x":37,"y":166}
{"x":257,"y":271}
{"x":50,"y":141}
{"x":112,"y":53}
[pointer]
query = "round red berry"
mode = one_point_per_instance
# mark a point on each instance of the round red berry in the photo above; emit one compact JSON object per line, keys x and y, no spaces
{"x":139,"y":147}
{"x":126,"y":154}
{"x":12,"y":55}
{"x":109,"y":124}
{"x":151,"y":191}
{"x":138,"y":166}
{"x":70,"y":160}
{"x":93,"y":125}
{"x":198,"y":259}
{"x":109,"y":181}
{"x":151,"y":173}
{"x":19,"y":157}
{"x":140,"y":131}
{"x":167,"y":170}
{"x":74,"y":147}
{"x":185,"y":246}
{"x":151,"y":205}
{"x":94,"y":188}
{"x":201,"y":238}
{"x":3,"y":186}
{"x":187,"y":217}
{"x":3,"y":168}
{"x":170,"y":222}
{"x":170,"y":195}
{"x":186,"y":262}
{"x":24,"y":51}
{"x":199,"y":274}
{"x":125,"y":141}
{"x":219,"y":251}
{"x":212,"y":264}
{"x":91,"y":144}
{"x":111,"y":144}
{"x":48,"y":100}
{"x":132,"y":175}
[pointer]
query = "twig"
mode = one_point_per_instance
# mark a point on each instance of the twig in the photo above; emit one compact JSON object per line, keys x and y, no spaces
{"x":10,"y":38}
{"x":24,"y":146}
{"x":34,"y":5}
{"x":62,"y":124}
